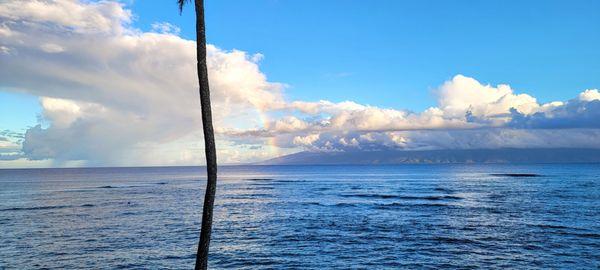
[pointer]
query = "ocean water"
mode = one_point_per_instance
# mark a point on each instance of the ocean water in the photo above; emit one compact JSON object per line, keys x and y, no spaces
{"x":304,"y":217}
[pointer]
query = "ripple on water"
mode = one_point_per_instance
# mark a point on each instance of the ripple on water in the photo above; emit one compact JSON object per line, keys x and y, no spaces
{"x":303,"y":217}
{"x":404,"y":197}
{"x":33,"y":208}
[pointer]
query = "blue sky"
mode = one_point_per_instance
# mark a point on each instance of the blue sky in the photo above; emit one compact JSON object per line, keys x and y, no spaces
{"x":18,"y":111}
{"x":108,"y":88}
{"x":392,"y":53}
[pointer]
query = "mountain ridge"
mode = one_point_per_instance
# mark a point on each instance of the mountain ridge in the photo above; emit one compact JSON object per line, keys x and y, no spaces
{"x":447,"y":156}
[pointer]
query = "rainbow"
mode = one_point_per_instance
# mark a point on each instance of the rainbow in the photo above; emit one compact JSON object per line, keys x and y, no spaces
{"x":270,"y":143}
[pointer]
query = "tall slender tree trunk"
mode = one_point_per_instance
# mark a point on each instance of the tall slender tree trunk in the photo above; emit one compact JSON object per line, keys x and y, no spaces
{"x":209,"y":140}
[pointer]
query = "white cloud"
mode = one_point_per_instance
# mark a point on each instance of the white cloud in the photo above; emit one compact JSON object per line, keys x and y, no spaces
{"x":463,"y":103}
{"x":165,"y":28}
{"x":103,"y":16}
{"x":462,"y":94}
{"x":307,"y":140}
{"x":288,"y":124}
{"x":52,"y":48}
{"x":4,"y":50}
{"x":582,"y":112}
{"x":113,"y":90}
{"x":469,"y":115}
{"x":488,"y":138}
{"x":589,"y":95}
{"x":10,"y":147}
{"x":5,"y":31}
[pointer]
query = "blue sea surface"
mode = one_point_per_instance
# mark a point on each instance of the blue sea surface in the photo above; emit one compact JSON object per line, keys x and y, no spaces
{"x":304,"y":217}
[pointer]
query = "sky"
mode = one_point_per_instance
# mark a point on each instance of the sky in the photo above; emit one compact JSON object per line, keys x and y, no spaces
{"x":334,"y":50}
{"x":86,"y":83}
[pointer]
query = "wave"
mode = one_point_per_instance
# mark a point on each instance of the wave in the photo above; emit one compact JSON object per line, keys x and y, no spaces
{"x":259,"y":187}
{"x":453,"y":240}
{"x":329,"y":205}
{"x":580,"y":235}
{"x":396,"y":204}
{"x":404,"y":197}
{"x":377,"y":196}
{"x":49,"y":207}
{"x":130,"y":186}
{"x":549,"y":226}
{"x":516,"y":174}
{"x":445,"y":190}
{"x":35,"y":208}
{"x":245,"y":196}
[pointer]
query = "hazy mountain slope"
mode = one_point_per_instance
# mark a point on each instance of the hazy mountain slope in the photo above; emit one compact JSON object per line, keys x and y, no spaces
{"x":508,"y":155}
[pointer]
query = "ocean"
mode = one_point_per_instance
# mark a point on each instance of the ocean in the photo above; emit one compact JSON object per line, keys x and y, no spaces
{"x":304,"y":217}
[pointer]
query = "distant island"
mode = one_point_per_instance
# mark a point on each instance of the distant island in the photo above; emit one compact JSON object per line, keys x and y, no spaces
{"x":451,"y":156}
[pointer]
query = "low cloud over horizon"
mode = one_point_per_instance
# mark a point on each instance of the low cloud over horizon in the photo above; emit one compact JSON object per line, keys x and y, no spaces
{"x":112,"y":94}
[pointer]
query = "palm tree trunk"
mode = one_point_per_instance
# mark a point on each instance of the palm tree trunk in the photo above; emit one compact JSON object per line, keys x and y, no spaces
{"x":209,"y":140}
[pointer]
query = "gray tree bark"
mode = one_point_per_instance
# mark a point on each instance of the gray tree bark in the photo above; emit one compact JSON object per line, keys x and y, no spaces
{"x":209,"y":140}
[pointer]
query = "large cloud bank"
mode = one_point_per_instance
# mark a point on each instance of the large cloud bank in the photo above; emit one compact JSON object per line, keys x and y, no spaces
{"x":114,"y":95}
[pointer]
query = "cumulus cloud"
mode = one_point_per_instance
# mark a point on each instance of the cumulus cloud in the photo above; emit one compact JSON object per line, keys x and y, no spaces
{"x":107,"y":89}
{"x":165,"y":28}
{"x":589,"y":95}
{"x":488,"y":138}
{"x":51,"y":48}
{"x":114,"y":95}
{"x":463,"y":94}
{"x":103,"y":17}
{"x":582,"y":112}
{"x":469,"y":115}
{"x":10,"y":147}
